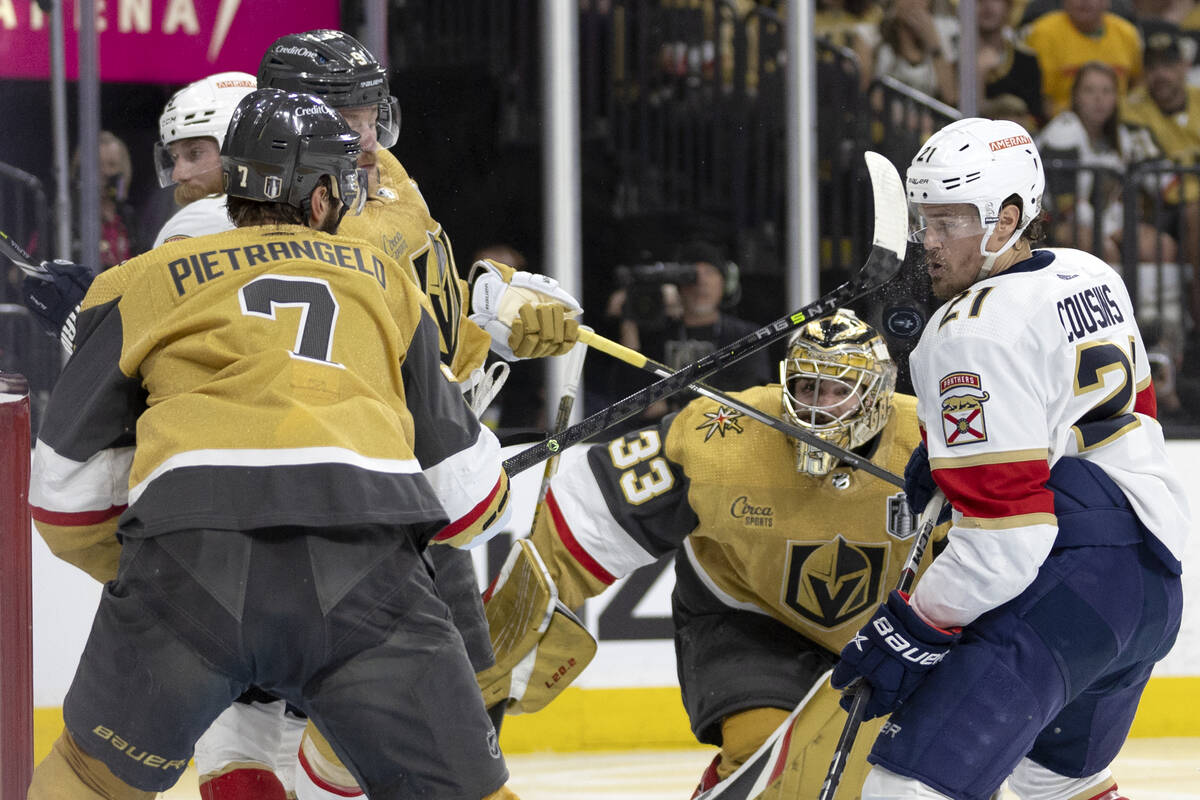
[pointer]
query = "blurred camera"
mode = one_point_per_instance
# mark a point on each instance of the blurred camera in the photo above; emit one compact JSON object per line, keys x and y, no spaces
{"x":643,"y":285}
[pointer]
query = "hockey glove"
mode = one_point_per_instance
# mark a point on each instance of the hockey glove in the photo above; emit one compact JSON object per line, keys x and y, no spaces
{"x":919,"y":485}
{"x":527,"y":315}
{"x":54,"y":298}
{"x":892,"y":653}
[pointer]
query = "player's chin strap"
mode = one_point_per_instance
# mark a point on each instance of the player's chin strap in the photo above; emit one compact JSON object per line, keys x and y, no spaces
{"x":989,"y":256}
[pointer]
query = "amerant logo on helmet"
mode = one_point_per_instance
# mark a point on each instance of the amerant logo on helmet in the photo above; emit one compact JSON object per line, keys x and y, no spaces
{"x":1009,"y":141}
{"x":236,"y":84}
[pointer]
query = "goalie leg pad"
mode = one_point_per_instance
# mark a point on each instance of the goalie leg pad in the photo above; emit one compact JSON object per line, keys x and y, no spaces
{"x":814,"y":737}
{"x":743,"y":733}
{"x":68,"y":773}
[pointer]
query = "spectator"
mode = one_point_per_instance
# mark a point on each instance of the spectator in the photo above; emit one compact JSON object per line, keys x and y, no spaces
{"x":1089,"y":134}
{"x":690,"y":321}
{"x":1083,"y":31}
{"x":915,"y":47}
{"x":1006,"y":67}
{"x":853,"y":24}
{"x":119,"y":239}
{"x":1170,"y":110}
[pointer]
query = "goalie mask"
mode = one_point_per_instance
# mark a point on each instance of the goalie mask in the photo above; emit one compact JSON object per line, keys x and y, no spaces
{"x":838,"y":380}
{"x":279,"y":145}
{"x":334,"y":66}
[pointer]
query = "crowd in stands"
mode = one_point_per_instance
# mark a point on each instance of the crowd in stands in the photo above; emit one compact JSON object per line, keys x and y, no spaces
{"x":1105,"y":86}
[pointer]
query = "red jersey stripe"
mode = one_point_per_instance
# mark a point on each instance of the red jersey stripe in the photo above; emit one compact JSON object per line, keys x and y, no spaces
{"x":572,"y":544}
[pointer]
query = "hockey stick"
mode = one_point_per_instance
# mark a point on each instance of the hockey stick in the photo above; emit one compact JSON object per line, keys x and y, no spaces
{"x":16,"y":254}
{"x":887,"y":255}
{"x":770,"y":760}
{"x":571,"y":378}
{"x":859,"y":691}
{"x":636,"y":359}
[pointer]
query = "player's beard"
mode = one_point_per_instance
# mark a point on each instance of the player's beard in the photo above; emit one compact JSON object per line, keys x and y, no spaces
{"x":333,"y":216}
{"x":191,"y":191}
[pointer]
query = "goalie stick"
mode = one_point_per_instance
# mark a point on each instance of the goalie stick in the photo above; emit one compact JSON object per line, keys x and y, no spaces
{"x":636,"y":359}
{"x":17,"y":255}
{"x":769,"y":761}
{"x":572,"y":375}
{"x":861,"y":692}
{"x":883,"y":263}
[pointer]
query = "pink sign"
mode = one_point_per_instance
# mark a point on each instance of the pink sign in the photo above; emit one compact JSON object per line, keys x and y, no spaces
{"x":158,"y":41}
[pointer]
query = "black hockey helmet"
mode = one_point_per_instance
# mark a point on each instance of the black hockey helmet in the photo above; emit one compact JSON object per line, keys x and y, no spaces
{"x":334,"y":66}
{"x":279,"y":144}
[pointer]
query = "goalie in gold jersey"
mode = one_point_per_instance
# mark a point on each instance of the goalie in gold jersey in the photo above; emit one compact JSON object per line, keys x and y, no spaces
{"x":781,"y":553}
{"x":256,"y":426}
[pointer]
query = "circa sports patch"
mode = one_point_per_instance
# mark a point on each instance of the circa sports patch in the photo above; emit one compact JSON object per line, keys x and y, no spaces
{"x":962,"y":412}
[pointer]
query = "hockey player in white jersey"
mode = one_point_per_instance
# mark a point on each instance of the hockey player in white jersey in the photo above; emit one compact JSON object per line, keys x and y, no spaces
{"x":188,"y":153}
{"x":1028,"y":642}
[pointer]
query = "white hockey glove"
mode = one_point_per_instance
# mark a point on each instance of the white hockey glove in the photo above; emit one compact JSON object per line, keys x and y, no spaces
{"x":527,"y":315}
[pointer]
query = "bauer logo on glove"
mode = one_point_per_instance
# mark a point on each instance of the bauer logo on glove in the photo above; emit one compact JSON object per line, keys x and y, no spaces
{"x":527,"y":315}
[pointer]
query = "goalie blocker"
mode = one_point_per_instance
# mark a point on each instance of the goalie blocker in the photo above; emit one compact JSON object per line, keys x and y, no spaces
{"x":541,"y":647}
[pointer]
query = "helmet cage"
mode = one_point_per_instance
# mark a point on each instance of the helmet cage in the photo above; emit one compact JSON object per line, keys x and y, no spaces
{"x":845,"y":351}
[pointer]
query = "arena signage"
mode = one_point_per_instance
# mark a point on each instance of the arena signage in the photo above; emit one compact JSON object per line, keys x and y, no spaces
{"x":158,"y":41}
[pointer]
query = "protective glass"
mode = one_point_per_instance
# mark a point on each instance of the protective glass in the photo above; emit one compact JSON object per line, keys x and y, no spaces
{"x":387,"y":126}
{"x":944,"y":227}
{"x":351,"y":189}
{"x":164,"y":164}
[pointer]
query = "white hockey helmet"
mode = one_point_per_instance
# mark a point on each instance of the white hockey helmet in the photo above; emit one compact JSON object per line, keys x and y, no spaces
{"x":982,"y":162}
{"x":202,"y":108}
{"x":846,"y":351}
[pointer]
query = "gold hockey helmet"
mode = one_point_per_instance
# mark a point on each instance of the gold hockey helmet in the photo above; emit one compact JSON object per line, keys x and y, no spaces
{"x":838,"y":380}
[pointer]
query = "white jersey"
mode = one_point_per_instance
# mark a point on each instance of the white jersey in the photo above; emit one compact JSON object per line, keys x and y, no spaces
{"x":1041,"y":361}
{"x":198,"y":218}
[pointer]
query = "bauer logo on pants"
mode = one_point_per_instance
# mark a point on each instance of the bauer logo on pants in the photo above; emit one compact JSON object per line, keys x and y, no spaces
{"x":962,"y":414}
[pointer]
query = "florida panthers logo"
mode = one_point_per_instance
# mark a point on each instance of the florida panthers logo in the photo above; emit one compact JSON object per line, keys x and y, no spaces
{"x":962,"y":414}
{"x":832,"y":583}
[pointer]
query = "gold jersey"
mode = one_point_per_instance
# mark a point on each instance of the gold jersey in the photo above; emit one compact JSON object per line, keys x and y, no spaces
{"x":263,"y":376}
{"x":721,"y":490}
{"x":396,"y":219}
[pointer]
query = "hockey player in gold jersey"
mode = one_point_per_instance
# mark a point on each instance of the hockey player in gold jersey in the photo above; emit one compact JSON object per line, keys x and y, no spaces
{"x":515,"y":314}
{"x":261,"y":419}
{"x":781,"y":553}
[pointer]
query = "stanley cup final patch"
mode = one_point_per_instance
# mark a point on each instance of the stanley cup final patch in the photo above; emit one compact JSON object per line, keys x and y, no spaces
{"x":962,"y":411}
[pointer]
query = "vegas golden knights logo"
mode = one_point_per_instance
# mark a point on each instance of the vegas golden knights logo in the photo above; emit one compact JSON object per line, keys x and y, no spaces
{"x":437,"y":275}
{"x":831,"y":583}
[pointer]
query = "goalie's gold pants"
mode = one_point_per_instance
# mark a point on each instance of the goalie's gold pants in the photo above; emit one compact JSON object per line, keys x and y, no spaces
{"x":815,"y":733}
